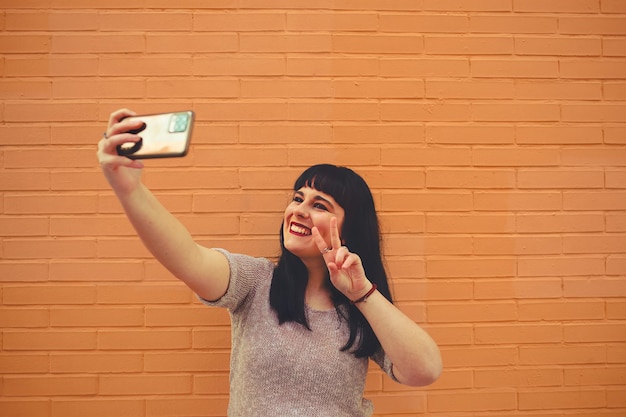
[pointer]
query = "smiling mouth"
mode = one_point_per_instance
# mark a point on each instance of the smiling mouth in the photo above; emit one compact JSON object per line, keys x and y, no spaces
{"x":299,"y":230}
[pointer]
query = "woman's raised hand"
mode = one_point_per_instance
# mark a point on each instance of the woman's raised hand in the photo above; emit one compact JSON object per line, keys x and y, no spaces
{"x":122,"y":173}
{"x":345,"y":268}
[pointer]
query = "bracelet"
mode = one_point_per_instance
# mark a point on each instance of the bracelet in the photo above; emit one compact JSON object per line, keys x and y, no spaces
{"x":364,"y":298}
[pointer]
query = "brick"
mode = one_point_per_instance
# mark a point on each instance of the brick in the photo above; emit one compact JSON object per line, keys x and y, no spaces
{"x":560,"y":266}
{"x":24,"y":226}
{"x":448,"y":267}
{"x":427,"y":23}
{"x":451,"y":335}
{"x":561,"y":134}
{"x":469,"y":223}
{"x":47,"y":248}
{"x":400,"y":403}
{"x":211,"y":384}
{"x":560,"y":311}
{"x":594,"y":287}
{"x":577,"y":156}
{"x":334,"y":22}
{"x":32,"y":386}
{"x":189,"y":406}
{"x":474,"y":312}
{"x":560,"y":179}
{"x":468,"y":45}
{"x":468,"y":5}
{"x":518,"y":333}
{"x":599,"y":200}
{"x":402,"y":223}
{"x":280,"y":43}
{"x":562,"y":354}
{"x":615,"y":310}
{"x":189,"y":88}
{"x":143,"y":339}
{"x":24,"y":317}
{"x":288,"y":88}
{"x":340,"y":110}
{"x":400,"y":178}
{"x":46,"y":340}
{"x":594,"y":244}
{"x":543,"y":89}
{"x":564,"y":46}
{"x":516,"y":245}
{"x":279,"y":133}
{"x":383,"y":89}
{"x":24,"y":135}
{"x":433,"y":245}
{"x":218,"y":338}
{"x":49,"y":294}
{"x":614,"y":90}
{"x":533,"y":377}
{"x":586,"y":376}
{"x":181,"y":179}
{"x":96,"y":317}
{"x":516,"y":68}
{"x":558,"y":6}
{"x":216,"y":361}
{"x":42,"y":111}
{"x":578,"y":398}
{"x":145,"y":66}
{"x":613,"y":47}
{"x":29,"y":44}
{"x":518,"y":201}
{"x":49,"y":204}
{"x":595,"y":113}
{"x":26,"y":89}
{"x":144,"y":384}
{"x":145,"y":21}
{"x":56,"y":65}
{"x":29,"y":407}
{"x":559,"y":222}
{"x":377,"y":133}
{"x":436,"y":201}
{"x":95,"y":363}
{"x":470,"y":134}
{"x":381,"y":43}
{"x":17,"y":363}
{"x":102,"y":225}
{"x":603,"y":25}
{"x":439,"y":289}
{"x":479,"y":89}
{"x":431,"y":112}
{"x":51,"y":21}
{"x":157,"y":293}
{"x":599,"y":70}
{"x":98,"y":43}
{"x":97,"y":407}
{"x":416,"y":156}
{"x":513,"y":24}
{"x":23,"y":271}
{"x":331,"y":66}
{"x":615,"y":265}
{"x":485,"y":400}
{"x":593,"y":332}
{"x":515,"y":112}
{"x":449,"y":66}
{"x":498,"y":289}
{"x":470,"y":178}
{"x":186,"y":316}
{"x":344,"y":155}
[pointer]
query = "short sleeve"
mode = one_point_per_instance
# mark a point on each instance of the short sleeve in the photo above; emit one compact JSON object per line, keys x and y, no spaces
{"x":246,"y":273}
{"x":381,"y":358}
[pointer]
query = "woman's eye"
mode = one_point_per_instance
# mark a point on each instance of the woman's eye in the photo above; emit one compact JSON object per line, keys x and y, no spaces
{"x":298,"y":199}
{"x":320,"y":206}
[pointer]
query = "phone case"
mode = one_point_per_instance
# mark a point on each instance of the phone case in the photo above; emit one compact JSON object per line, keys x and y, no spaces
{"x":164,"y":135}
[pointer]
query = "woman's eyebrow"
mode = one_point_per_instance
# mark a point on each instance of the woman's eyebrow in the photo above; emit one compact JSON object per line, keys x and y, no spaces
{"x":317,"y":198}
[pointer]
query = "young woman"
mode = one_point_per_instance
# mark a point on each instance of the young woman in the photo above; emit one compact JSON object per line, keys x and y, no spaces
{"x":303,"y":329}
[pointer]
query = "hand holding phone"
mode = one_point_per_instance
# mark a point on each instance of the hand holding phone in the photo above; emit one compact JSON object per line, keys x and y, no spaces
{"x":164,"y":135}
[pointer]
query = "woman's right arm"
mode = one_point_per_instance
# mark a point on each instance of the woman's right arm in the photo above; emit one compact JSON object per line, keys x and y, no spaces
{"x":204,"y":270}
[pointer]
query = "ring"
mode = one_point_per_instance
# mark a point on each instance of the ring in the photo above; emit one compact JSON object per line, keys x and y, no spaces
{"x":104,"y":135}
{"x":325,"y":250}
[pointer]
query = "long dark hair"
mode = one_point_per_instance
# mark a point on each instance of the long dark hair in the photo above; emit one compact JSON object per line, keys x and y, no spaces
{"x":360,"y":233}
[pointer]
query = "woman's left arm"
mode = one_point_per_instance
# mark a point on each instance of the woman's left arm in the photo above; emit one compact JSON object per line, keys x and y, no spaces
{"x":415,"y":356}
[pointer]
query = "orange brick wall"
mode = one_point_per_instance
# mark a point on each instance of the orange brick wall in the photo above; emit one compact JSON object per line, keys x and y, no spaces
{"x":492,"y":133}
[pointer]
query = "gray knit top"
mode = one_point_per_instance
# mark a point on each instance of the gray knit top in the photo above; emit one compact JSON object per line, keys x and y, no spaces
{"x":286,"y":370}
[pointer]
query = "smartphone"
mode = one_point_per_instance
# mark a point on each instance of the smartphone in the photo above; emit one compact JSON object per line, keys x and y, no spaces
{"x":164,"y":135}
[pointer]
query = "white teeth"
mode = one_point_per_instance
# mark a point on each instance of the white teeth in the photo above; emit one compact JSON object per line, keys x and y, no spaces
{"x":300,"y":230}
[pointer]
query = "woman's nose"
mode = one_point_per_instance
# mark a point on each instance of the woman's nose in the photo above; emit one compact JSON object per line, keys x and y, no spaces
{"x":301,"y":211}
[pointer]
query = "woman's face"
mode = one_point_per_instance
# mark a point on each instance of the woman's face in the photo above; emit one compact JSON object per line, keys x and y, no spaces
{"x":309,"y":207}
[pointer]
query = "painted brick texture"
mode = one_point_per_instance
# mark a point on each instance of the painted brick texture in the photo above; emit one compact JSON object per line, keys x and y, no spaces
{"x":493,"y":135}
